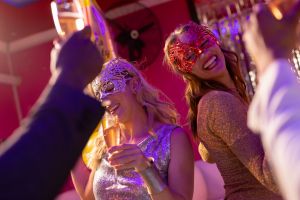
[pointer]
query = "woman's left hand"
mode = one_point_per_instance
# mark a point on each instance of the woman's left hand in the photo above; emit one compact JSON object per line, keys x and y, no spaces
{"x":127,"y":156}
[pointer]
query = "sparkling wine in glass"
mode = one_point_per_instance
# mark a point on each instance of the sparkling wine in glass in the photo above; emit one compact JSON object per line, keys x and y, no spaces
{"x":112,"y":137}
{"x":68,"y":16}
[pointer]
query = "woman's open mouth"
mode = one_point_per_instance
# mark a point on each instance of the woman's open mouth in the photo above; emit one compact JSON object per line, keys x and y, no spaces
{"x":210,"y":64}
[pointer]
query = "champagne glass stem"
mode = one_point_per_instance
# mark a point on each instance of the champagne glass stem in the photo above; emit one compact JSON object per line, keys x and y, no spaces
{"x":116,"y":183}
{"x":116,"y":176}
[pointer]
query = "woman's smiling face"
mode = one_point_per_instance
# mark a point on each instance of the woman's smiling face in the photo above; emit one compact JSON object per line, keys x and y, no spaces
{"x":200,"y":54}
{"x":210,"y":65}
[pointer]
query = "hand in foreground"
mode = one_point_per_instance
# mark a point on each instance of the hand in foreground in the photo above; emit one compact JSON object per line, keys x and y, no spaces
{"x":267,"y":38}
{"x":127,"y":156}
{"x":78,"y":60}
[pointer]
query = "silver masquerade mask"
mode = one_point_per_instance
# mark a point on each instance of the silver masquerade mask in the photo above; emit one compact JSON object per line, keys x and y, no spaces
{"x":113,"y":78}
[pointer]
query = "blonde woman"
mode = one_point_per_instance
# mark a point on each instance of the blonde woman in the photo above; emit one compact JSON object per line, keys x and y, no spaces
{"x":150,"y":130}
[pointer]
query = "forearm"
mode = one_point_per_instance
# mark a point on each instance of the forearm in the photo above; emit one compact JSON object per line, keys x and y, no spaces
{"x":277,"y":107}
{"x":84,"y":190}
{"x":81,"y":176}
{"x":79,"y":187}
{"x":285,"y":161}
{"x":167,"y":194}
{"x":275,"y":103}
{"x":157,"y":189}
{"x":53,"y":132}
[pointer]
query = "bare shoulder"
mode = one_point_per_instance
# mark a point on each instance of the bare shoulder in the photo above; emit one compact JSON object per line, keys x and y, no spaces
{"x":179,"y":132}
{"x":181,"y":147}
{"x":179,"y":137}
{"x":181,"y":166}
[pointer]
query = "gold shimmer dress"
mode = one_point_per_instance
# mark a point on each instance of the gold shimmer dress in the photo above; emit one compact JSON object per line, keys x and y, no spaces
{"x":238,"y":153}
{"x":156,"y":147}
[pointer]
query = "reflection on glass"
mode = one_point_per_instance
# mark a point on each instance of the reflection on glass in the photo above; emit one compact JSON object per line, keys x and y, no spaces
{"x":67,"y":16}
{"x":111,"y":131}
{"x":112,"y":137}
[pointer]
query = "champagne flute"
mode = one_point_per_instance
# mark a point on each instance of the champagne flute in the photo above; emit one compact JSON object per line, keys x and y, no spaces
{"x":68,"y":16}
{"x":72,"y":15}
{"x":112,"y":137}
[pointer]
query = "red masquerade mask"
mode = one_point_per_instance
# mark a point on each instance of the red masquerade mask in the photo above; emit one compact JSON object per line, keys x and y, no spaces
{"x":184,"y":54}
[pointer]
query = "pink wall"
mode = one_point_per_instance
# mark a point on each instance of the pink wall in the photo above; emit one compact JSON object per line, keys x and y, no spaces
{"x":158,"y":74}
{"x":8,"y":116}
{"x":32,"y":65}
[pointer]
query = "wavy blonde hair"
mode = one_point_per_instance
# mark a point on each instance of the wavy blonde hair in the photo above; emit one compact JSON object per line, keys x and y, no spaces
{"x":156,"y":104}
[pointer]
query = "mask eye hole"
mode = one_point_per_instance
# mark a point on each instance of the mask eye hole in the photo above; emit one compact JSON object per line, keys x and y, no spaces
{"x":107,"y":87}
{"x":124,"y":73}
{"x":190,"y":56}
{"x":204,"y":44}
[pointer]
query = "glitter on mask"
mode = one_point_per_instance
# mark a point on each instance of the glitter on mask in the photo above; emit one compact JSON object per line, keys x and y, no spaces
{"x":113,"y":78}
{"x":184,"y":54}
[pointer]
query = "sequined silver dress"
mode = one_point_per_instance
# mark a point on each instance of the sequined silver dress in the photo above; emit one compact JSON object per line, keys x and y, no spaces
{"x":156,"y":147}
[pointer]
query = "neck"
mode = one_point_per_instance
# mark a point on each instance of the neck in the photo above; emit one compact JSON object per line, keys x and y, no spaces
{"x":227,"y":81}
{"x":137,"y":126}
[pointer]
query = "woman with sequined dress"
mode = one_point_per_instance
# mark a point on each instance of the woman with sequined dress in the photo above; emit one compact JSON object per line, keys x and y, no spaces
{"x":150,"y":132}
{"x":218,"y":103}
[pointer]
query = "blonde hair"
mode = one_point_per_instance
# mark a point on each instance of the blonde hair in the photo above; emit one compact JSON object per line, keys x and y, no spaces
{"x":157,"y":105}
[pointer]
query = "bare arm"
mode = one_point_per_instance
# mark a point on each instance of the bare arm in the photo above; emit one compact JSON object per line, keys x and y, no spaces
{"x":83,"y":181}
{"x":54,"y":134}
{"x":276,"y":102}
{"x":275,"y":114}
{"x":181,"y":169}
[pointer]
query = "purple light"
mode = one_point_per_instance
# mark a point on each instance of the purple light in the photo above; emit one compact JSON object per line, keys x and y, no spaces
{"x":19,"y":3}
{"x":99,"y":20}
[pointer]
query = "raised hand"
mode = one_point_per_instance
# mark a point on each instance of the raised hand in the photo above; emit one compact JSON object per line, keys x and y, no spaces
{"x":268,"y":38}
{"x":78,"y":60}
